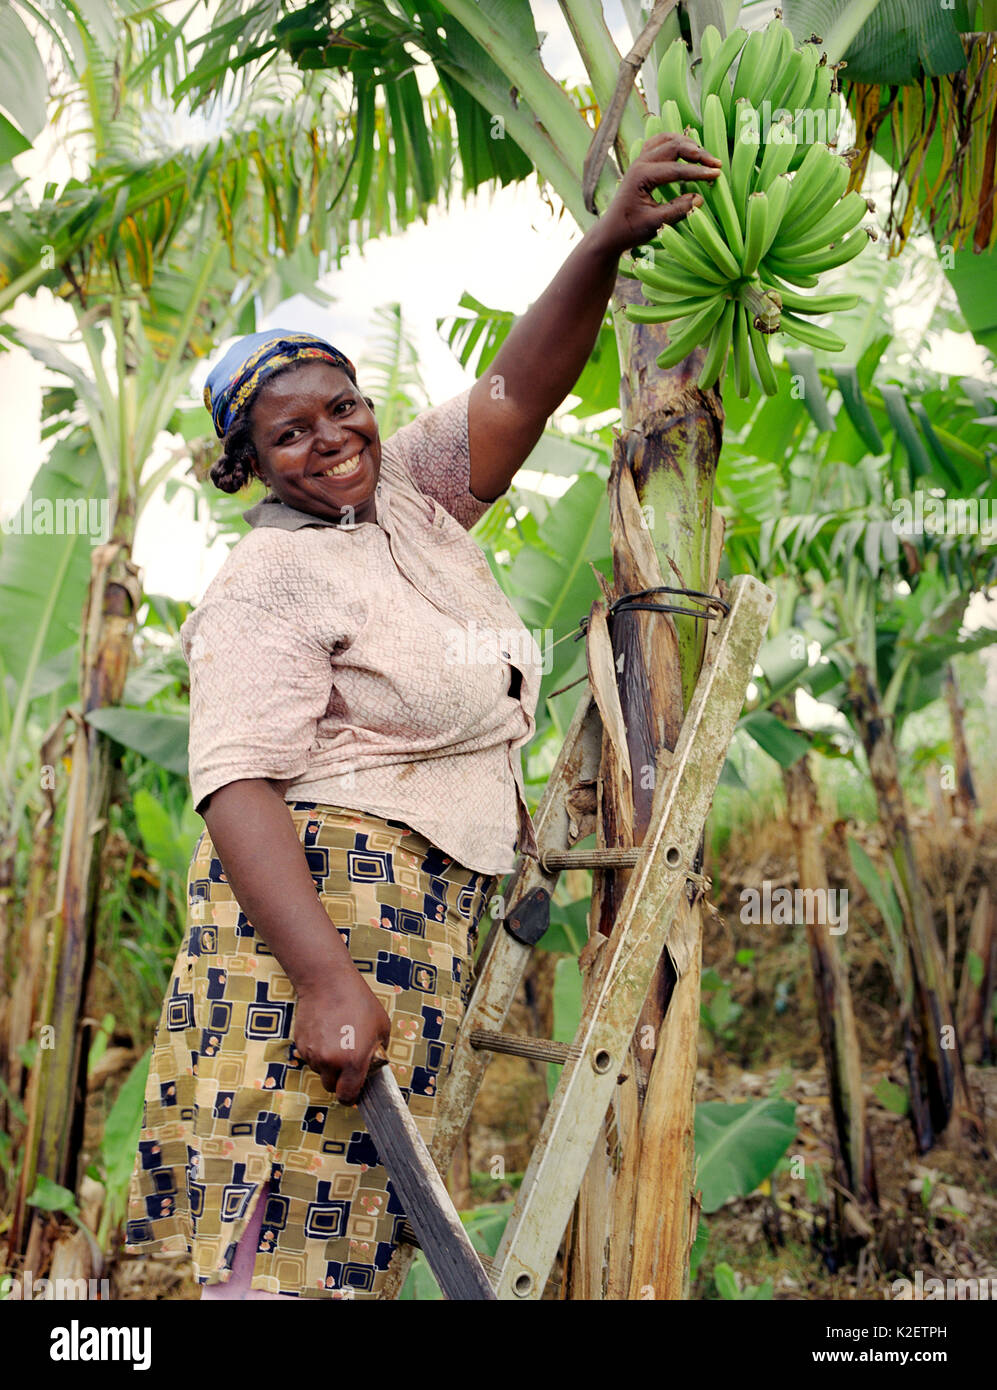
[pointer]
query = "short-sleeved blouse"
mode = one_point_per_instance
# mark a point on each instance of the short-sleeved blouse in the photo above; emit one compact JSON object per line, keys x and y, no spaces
{"x":373,"y":666}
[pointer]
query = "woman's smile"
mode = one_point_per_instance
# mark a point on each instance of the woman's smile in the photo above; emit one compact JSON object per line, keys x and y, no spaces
{"x":350,"y":466}
{"x":346,"y":468}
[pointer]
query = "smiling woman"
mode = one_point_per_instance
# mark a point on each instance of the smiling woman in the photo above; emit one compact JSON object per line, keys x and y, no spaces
{"x":341,"y":758}
{"x":355,"y":755}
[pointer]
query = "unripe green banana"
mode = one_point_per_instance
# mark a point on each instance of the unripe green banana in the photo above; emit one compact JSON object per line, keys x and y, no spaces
{"x":786,"y":79}
{"x":822,"y":200}
{"x":845,"y":215}
{"x":646,"y":313}
{"x":817,"y":303}
{"x":715,"y":72}
{"x":783,"y":69}
{"x":797,"y":94}
{"x":676,"y":280}
{"x":693,"y":132}
{"x":715,"y":130}
{"x":671,"y":117}
{"x":689,"y":254}
{"x":842,"y":251}
{"x":815,"y":113}
{"x":742,"y":123}
{"x":717,"y":348}
{"x":763,"y":362}
{"x":677,"y":308}
{"x":756,"y":225}
{"x":777,"y":196}
{"x":692,"y":334}
{"x":811,"y":333}
{"x":775,"y":158}
{"x":813,"y":125}
{"x":742,"y":165}
{"x":742,"y":349}
{"x":775,"y":279}
{"x":664,"y":310}
{"x":770,"y":60}
{"x":821,"y":95}
{"x":719,"y":199}
{"x":709,"y":43}
{"x":705,"y":230}
{"x":673,"y":81}
{"x":748,"y":66}
{"x":810,"y":178}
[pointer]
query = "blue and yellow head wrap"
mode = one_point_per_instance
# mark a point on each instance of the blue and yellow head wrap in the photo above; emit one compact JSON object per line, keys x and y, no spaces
{"x":249,"y":362}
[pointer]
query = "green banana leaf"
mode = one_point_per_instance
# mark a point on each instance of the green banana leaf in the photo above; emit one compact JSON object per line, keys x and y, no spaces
{"x":162,"y":738}
{"x":897,"y":42}
{"x":551,"y":584}
{"x":783,"y":744}
{"x":43,"y":578}
{"x":737,"y":1146}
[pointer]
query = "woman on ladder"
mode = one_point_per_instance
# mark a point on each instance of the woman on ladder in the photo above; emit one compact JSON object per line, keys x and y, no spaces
{"x":356,"y":714}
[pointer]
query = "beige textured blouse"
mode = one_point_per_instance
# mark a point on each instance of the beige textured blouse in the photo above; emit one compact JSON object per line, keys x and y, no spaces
{"x":373,"y":666}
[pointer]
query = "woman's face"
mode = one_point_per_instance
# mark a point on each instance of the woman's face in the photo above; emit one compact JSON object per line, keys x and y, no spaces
{"x":317,"y":443}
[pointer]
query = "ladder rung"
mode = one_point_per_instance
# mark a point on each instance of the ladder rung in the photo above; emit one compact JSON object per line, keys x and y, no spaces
{"x":555,"y":860}
{"x":540,"y":1049}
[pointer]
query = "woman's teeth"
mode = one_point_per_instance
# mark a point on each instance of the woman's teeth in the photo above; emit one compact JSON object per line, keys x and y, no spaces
{"x":346,"y":467}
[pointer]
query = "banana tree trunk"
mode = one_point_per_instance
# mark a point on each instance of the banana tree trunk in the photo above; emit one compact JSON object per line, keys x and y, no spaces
{"x":57,"y":1088}
{"x":965,"y":791}
{"x":8,"y":860}
{"x":26,"y":988}
{"x":634,"y":1220}
{"x":938,"y":1082}
{"x":974,"y":1013}
{"x":8,"y":857}
{"x":853,"y":1156}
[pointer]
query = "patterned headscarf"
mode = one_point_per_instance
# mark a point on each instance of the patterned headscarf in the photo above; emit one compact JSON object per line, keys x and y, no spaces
{"x":251,"y":360}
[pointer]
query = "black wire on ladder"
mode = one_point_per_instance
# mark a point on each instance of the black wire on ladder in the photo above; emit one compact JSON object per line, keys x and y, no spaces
{"x":628,"y":603}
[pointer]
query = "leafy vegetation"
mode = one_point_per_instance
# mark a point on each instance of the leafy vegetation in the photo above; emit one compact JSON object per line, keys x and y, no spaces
{"x":167,"y":247}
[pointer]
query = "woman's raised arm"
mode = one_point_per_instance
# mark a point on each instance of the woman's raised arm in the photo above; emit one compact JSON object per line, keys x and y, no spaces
{"x":547,"y":347}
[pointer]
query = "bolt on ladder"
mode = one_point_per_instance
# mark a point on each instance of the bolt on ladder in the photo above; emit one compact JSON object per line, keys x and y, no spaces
{"x":622,"y":975}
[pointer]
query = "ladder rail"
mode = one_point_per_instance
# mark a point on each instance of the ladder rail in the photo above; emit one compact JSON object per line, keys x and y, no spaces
{"x":624,"y":966}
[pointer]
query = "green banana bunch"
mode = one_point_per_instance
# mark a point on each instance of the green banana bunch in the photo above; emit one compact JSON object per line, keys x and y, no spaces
{"x":777,"y":216}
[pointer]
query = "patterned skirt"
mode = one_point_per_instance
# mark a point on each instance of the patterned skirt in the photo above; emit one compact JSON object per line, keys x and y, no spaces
{"x":230,"y":1106}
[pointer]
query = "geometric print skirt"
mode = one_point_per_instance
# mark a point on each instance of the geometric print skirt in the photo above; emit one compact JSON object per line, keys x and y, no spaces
{"x":230,"y":1106}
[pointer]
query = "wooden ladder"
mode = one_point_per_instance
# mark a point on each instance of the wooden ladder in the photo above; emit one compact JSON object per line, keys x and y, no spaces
{"x":623,"y":969}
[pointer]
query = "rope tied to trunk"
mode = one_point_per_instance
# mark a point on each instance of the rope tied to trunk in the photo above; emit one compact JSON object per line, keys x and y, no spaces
{"x":630,"y":602}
